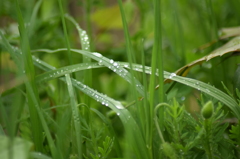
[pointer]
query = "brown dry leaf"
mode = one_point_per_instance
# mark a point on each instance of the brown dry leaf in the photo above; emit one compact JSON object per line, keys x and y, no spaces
{"x":229,"y":32}
{"x":232,"y":46}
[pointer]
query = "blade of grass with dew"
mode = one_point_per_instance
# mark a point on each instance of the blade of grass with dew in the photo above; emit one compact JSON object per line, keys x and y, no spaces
{"x":37,"y":155}
{"x":15,"y":53}
{"x":125,"y":116}
{"x":201,"y":86}
{"x":30,"y":83}
{"x":130,"y":55}
{"x":111,"y":64}
{"x":65,"y":70}
{"x":85,"y":44}
{"x":76,"y":117}
{"x":87,"y":78}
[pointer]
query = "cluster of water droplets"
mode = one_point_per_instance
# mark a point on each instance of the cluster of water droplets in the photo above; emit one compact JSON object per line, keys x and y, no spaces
{"x":85,"y":40}
{"x":99,"y":97}
{"x":197,"y":85}
{"x":115,"y":66}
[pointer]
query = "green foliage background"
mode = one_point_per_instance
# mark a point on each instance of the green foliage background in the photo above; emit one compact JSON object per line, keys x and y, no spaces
{"x":54,"y":120}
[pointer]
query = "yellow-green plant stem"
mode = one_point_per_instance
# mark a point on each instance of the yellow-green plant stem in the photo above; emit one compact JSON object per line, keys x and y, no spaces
{"x":156,"y":120}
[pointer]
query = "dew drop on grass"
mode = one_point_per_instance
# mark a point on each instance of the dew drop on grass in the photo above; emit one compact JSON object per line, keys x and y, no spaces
{"x":111,"y":61}
{"x":100,"y":62}
{"x":119,"y":106}
{"x":115,"y":64}
{"x":182,"y":98}
{"x":97,"y":54}
{"x":172,"y":75}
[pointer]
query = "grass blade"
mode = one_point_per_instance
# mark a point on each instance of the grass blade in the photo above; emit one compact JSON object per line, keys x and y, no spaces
{"x":201,"y":86}
{"x":32,"y":94}
{"x":76,"y":118}
{"x":137,"y":141}
{"x":111,"y":64}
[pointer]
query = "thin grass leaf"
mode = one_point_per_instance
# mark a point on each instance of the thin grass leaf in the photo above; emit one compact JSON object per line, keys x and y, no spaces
{"x":85,"y":43}
{"x":37,"y":155}
{"x":34,"y":17}
{"x":201,"y":86}
{"x":65,"y":70}
{"x":134,"y":86}
{"x":65,"y":32}
{"x":125,"y":116}
{"x":31,"y":88}
{"x":16,"y":53}
{"x":111,"y":64}
{"x":76,"y":118}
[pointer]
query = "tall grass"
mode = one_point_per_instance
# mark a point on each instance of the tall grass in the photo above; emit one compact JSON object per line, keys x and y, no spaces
{"x":66,"y":112}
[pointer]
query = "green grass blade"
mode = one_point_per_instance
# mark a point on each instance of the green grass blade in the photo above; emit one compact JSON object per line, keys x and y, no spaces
{"x":65,"y":32}
{"x":111,"y":64}
{"x":137,"y":141}
{"x":206,"y":88}
{"x":157,"y":50}
{"x":76,"y":118}
{"x":32,"y":94}
{"x":37,"y":155}
{"x":34,"y":17}
{"x":157,"y":60}
{"x":201,"y":86}
{"x":15,"y":53}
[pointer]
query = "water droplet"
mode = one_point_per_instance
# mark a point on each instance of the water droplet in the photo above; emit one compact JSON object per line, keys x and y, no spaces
{"x":115,"y":64}
{"x":172,"y":75}
{"x":100,"y":62}
{"x":118,"y":113}
{"x":111,"y":61}
{"x":183,"y":98}
{"x":97,"y":54}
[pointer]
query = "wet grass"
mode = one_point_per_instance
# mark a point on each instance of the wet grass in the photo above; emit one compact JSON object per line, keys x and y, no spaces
{"x":76,"y":99}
